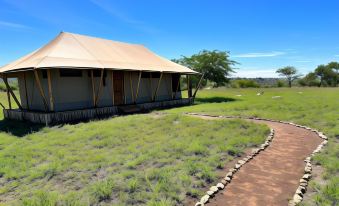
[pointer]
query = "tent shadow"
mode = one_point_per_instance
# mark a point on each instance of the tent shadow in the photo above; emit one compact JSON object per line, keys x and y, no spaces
{"x":214,"y":100}
{"x":19,"y":128}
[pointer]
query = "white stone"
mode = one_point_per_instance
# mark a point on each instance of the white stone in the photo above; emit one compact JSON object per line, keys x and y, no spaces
{"x":204,"y":199}
{"x":307,"y":176}
{"x":220,"y":185}
{"x":297,"y":198}
{"x":214,"y":189}
{"x":230,"y":174}
{"x":227,"y":179}
{"x":210,"y":192}
{"x":199,"y":204}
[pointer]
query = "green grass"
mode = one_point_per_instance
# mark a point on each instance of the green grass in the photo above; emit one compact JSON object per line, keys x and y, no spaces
{"x":314,"y":107}
{"x":139,"y":159}
{"x":158,"y":159}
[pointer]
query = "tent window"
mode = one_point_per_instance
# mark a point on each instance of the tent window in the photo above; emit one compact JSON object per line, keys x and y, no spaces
{"x":44,"y":73}
{"x":97,"y":73}
{"x":175,"y":81}
{"x":70,"y":73}
{"x":145,"y":75}
{"x":155,"y":74}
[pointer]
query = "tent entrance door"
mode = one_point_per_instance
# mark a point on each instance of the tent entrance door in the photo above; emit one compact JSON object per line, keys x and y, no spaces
{"x":118,"y":85}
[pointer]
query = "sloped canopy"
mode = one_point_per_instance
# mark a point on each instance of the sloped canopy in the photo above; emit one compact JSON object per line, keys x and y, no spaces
{"x":74,"y":51}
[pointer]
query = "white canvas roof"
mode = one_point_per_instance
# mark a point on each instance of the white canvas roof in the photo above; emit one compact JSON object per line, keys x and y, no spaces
{"x":74,"y":51}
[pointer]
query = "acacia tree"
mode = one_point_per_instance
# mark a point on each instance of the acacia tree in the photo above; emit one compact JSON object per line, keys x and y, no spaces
{"x":334,"y":66}
{"x":327,"y":75}
{"x":290,"y":73}
{"x":215,"y":65}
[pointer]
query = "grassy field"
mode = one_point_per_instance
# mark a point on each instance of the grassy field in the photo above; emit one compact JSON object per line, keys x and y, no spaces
{"x":315,"y":107}
{"x":148,"y":159}
{"x":157,"y":159}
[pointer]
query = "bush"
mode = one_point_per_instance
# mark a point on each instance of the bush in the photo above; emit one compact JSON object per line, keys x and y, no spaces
{"x":244,"y":83}
{"x":280,"y":83}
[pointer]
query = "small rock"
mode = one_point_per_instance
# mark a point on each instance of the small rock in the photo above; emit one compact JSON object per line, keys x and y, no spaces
{"x":204,"y":199}
{"x":199,"y":204}
{"x":297,"y":198}
{"x":210,"y":192}
{"x":237,"y":166}
{"x":220,"y":186}
{"x":214,"y":189}
{"x":230,"y":174}
{"x":227,"y":179}
{"x":302,"y":189}
{"x":241,"y":162}
{"x":223,"y":182}
{"x":307,"y":176}
{"x":233,"y":170}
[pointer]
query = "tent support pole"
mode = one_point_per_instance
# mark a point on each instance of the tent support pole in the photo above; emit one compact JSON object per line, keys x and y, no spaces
{"x":112,"y":77}
{"x":93,"y":87}
{"x":177,"y":88}
{"x":100,"y":88}
{"x":150,"y":82}
{"x":51,"y":100}
{"x":137,"y":92}
{"x":9,"y":99}
{"x":189,"y":88}
{"x":12,"y":93}
{"x":198,"y":86}
{"x":37,"y":79}
{"x":26,"y":93}
{"x":156,"y":91}
{"x":131,"y":85}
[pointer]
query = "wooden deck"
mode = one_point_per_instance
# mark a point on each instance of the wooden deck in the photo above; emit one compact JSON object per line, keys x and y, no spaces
{"x":50,"y":118}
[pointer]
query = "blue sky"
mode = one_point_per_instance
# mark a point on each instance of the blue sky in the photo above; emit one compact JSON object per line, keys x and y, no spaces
{"x":262,"y":35}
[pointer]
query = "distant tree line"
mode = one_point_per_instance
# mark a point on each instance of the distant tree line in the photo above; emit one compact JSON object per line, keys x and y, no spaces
{"x":217,"y":67}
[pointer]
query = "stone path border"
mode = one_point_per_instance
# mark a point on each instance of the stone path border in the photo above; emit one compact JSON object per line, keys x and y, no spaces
{"x":299,"y":193}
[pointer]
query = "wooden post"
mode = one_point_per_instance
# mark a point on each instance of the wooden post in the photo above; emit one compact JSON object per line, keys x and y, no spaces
{"x":51,"y":100}
{"x":177,"y":88}
{"x":93,"y":87}
{"x":12,"y":93}
{"x":26,"y":93}
{"x":151,"y":89}
{"x":112,"y":88}
{"x":131,"y":85}
{"x":156,"y":91}
{"x":198,"y":86}
{"x":9,"y":99}
{"x":37,"y":79}
{"x":189,"y":89}
{"x":100,"y":87}
{"x":137,"y":92}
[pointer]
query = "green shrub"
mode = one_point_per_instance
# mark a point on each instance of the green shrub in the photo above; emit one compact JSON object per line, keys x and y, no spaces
{"x":244,"y":83}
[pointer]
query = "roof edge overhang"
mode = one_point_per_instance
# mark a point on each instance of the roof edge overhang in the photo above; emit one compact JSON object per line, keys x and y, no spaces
{"x":88,"y":68}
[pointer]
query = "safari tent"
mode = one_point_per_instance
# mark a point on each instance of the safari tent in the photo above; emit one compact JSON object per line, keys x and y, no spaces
{"x":76,"y":77}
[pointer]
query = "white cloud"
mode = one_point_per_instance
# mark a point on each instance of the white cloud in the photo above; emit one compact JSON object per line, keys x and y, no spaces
{"x":259,"y":54}
{"x":269,"y":73}
{"x":13,"y":25}
{"x":337,"y":55}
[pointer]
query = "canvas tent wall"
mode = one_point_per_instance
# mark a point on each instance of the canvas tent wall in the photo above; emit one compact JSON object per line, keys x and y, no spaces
{"x":75,"y":92}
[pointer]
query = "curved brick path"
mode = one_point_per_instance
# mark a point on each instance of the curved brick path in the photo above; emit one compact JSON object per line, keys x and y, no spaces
{"x":272,"y":177}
